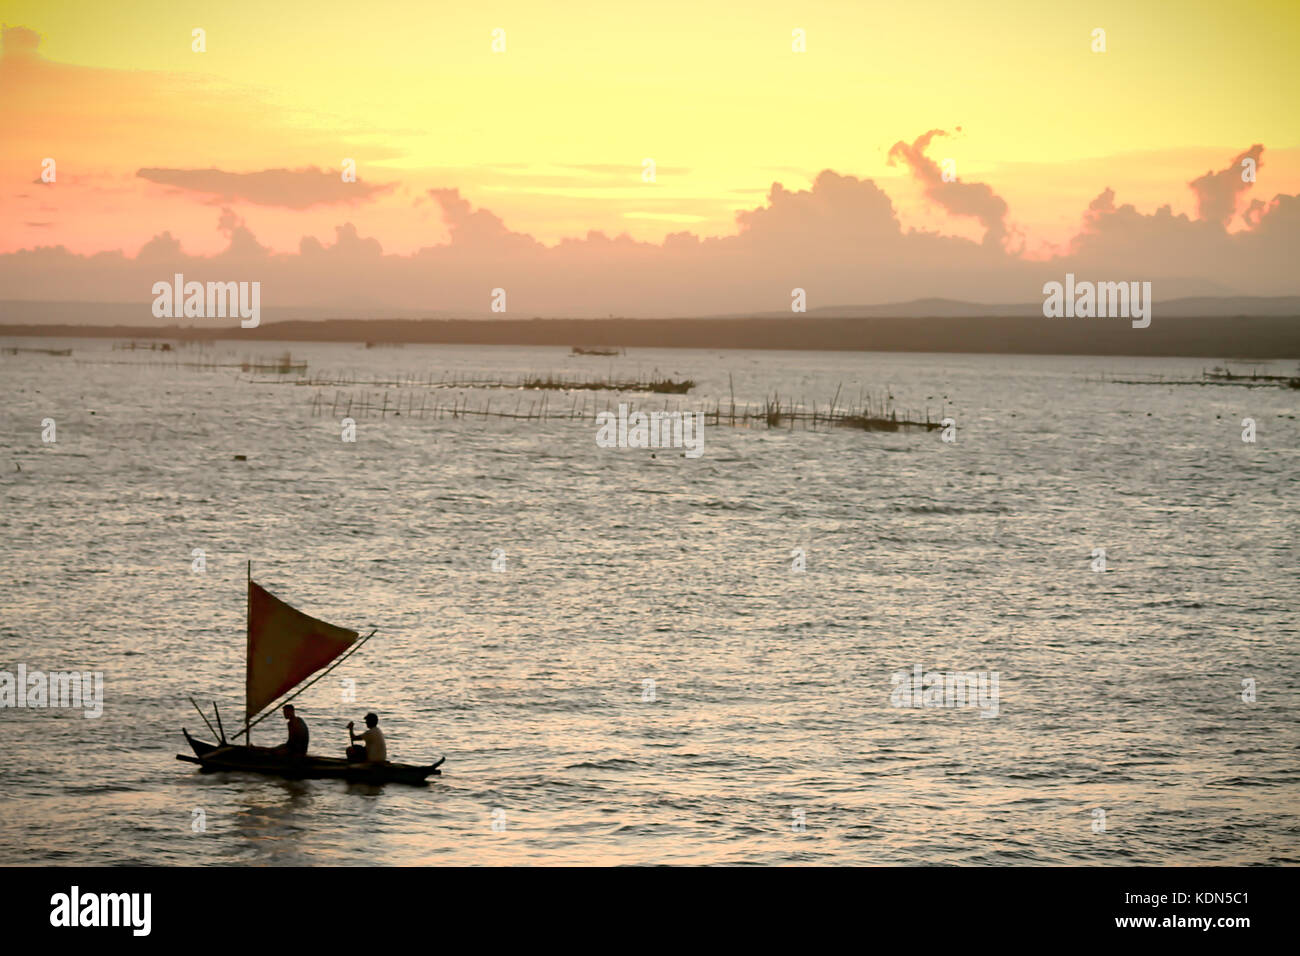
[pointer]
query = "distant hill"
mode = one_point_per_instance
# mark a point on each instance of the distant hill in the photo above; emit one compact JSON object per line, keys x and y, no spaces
{"x":1198,"y":307}
{"x":15,"y":312}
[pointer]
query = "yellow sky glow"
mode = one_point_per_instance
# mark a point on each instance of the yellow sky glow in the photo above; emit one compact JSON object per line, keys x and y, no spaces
{"x":551,"y":134}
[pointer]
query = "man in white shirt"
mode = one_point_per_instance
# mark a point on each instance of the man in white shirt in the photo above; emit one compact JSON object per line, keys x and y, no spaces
{"x":376,"y":749}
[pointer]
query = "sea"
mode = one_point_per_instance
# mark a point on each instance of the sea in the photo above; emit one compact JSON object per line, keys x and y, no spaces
{"x":633,"y":656}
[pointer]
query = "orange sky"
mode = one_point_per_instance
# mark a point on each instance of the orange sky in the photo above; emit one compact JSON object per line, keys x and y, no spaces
{"x":550,"y":134}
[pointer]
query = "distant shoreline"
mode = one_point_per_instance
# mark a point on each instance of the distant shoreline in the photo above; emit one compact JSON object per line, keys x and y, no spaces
{"x":1257,"y":337}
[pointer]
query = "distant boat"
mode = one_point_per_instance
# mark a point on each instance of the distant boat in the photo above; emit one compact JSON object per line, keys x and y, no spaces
{"x":580,"y":350}
{"x":285,"y":647}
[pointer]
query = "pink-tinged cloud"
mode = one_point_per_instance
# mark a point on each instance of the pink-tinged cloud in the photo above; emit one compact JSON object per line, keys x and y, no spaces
{"x":19,"y":42}
{"x":976,"y":200}
{"x":348,"y":245}
{"x":840,"y":241}
{"x":475,"y":228}
{"x":841,"y":208}
{"x":1217,"y":193}
{"x":289,"y":188}
{"x":1120,"y":240}
{"x":243,"y":244}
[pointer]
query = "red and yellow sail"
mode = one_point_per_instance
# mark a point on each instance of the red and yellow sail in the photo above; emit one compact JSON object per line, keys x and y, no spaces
{"x":285,"y":647}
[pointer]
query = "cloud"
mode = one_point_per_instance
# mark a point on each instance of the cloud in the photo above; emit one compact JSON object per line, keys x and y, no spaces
{"x":840,"y":240}
{"x":467,"y":225}
{"x":161,"y":248}
{"x":243,"y":244}
{"x":348,"y":245}
{"x":1198,"y":256}
{"x":976,"y":200}
{"x":1216,"y":193}
{"x":19,"y":42}
{"x":842,"y":208}
{"x":289,"y":188}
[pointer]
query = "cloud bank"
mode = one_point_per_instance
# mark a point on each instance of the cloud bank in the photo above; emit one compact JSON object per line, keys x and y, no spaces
{"x":841,"y":241}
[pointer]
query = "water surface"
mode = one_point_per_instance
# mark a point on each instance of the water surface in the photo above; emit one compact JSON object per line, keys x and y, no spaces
{"x":1118,"y":691}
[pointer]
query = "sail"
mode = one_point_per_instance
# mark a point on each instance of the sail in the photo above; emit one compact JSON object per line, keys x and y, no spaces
{"x":285,"y":647}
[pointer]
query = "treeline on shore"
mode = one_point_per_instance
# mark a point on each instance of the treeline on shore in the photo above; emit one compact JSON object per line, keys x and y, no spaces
{"x":1220,"y":337}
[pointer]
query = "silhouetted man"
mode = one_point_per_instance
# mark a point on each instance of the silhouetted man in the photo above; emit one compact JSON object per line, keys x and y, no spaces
{"x":376,"y":750}
{"x":296,"y":745}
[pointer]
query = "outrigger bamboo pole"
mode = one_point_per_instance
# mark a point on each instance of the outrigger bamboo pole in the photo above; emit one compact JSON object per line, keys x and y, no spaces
{"x":205,"y":717}
{"x":220,"y":728}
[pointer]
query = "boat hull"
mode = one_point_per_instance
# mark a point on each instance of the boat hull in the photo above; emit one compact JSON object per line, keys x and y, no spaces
{"x":216,"y":758}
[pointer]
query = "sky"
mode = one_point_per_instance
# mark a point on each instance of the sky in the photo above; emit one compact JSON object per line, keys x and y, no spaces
{"x":524,"y":166}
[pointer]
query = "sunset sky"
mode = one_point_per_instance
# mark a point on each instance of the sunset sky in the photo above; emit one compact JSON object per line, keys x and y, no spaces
{"x":150,"y":137}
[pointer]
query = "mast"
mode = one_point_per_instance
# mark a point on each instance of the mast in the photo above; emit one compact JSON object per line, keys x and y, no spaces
{"x":291,"y":647}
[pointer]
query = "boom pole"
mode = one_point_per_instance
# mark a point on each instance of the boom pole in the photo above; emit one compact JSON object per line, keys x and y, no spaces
{"x":337,"y":661}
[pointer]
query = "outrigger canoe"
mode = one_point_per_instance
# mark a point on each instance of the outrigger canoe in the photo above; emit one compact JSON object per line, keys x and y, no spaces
{"x":285,"y":647}
{"x":215,"y":758}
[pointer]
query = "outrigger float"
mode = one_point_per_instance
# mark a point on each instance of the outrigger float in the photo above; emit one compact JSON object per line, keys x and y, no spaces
{"x":285,"y":647}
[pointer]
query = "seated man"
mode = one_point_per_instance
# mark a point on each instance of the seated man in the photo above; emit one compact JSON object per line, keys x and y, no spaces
{"x":296,"y":745}
{"x":375,"y":750}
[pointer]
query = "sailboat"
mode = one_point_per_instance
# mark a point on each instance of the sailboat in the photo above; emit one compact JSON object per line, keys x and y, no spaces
{"x":285,"y":647}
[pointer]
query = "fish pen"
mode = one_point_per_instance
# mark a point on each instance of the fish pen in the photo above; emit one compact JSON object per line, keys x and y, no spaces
{"x":531,"y":381}
{"x":1214,"y":377}
{"x":867,"y":414}
{"x":146,"y":346}
{"x":15,"y":350}
{"x":284,"y":364}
